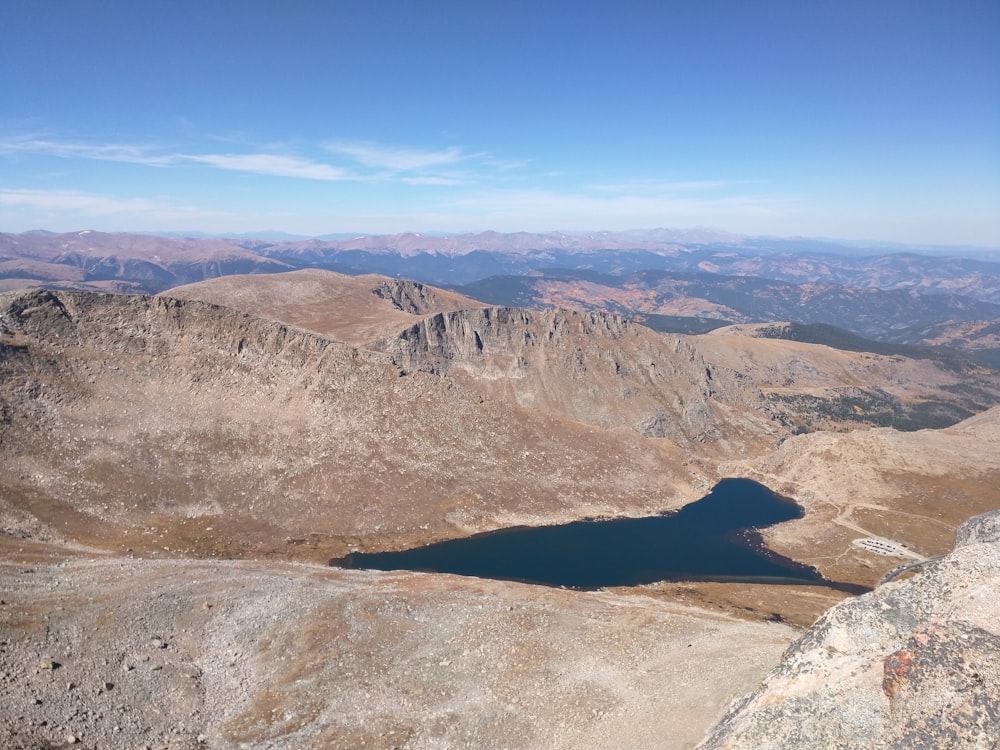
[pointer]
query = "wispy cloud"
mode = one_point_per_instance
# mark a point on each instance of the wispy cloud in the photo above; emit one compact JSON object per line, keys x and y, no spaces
{"x":279,"y":165}
{"x":126,"y":153}
{"x":269,"y":164}
{"x":435,"y":167}
{"x":365,"y":161}
{"x":439,"y":180}
{"x":396,"y":159}
{"x":670,"y":187}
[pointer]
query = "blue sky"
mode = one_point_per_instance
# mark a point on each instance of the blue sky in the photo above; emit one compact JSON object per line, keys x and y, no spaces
{"x":824,"y":118}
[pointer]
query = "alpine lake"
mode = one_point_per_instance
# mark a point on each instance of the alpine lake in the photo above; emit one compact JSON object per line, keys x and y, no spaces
{"x":713,"y":539}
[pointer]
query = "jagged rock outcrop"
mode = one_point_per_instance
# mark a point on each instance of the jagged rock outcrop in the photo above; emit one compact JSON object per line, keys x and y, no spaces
{"x":914,"y":664}
{"x":596,"y":368}
{"x":408,"y":296}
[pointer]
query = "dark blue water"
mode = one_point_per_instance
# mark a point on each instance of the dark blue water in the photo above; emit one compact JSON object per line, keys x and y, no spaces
{"x":713,"y":539}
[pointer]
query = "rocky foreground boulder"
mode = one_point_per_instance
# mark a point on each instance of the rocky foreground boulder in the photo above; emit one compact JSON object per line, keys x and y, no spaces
{"x":914,"y":664}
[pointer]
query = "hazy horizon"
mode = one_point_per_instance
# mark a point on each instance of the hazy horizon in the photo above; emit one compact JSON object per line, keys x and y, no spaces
{"x":721,"y":236}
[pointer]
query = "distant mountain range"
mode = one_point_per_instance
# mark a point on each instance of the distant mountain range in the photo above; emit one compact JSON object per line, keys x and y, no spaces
{"x":671,"y":280}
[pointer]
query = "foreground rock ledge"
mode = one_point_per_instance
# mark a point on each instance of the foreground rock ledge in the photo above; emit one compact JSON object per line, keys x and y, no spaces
{"x":916,"y":663}
{"x":187,"y":654}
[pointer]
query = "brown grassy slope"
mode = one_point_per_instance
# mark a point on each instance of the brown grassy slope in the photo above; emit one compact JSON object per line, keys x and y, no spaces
{"x":912,"y":487}
{"x":638,"y":299}
{"x":353,"y":309}
{"x":820,"y":387}
{"x":186,"y":429}
{"x":785,"y":366}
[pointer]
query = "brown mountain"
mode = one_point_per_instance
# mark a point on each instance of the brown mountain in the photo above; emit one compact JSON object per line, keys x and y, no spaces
{"x":353,"y":309}
{"x":150,"y":422}
{"x":659,"y":297}
{"x":594,"y":368}
{"x":816,"y":386}
{"x":731,"y":386}
{"x":121,"y":262}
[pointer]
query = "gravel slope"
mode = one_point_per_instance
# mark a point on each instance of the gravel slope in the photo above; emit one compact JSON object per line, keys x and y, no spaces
{"x":127,"y":653}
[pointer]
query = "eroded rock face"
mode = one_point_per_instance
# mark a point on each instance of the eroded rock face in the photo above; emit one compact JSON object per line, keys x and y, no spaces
{"x":595,"y":368}
{"x":408,"y":296}
{"x":916,"y":663}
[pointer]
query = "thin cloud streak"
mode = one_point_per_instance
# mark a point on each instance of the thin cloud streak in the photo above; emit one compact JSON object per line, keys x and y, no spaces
{"x":667,"y":187}
{"x":410,"y":166}
{"x":129,"y":154}
{"x":396,"y":159}
{"x":274,"y":165}
{"x":412,"y":189}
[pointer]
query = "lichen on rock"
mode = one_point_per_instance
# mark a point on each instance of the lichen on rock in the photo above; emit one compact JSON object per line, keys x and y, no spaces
{"x":915,"y":663}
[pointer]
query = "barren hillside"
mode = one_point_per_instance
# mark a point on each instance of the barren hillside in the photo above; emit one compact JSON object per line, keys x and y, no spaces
{"x":814,"y":386}
{"x":167,"y":426}
{"x":353,"y":309}
{"x":913,"y":488}
{"x":188,"y":654}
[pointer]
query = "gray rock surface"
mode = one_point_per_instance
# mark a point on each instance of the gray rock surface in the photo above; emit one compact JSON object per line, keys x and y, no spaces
{"x":914,"y":664}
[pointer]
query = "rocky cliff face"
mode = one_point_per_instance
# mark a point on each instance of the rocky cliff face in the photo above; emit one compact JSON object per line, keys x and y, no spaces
{"x":409,"y":296}
{"x":595,"y":368}
{"x":916,"y":663}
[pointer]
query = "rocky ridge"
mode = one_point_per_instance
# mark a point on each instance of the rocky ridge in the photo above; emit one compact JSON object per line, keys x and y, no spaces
{"x":595,"y":368}
{"x":169,"y":426}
